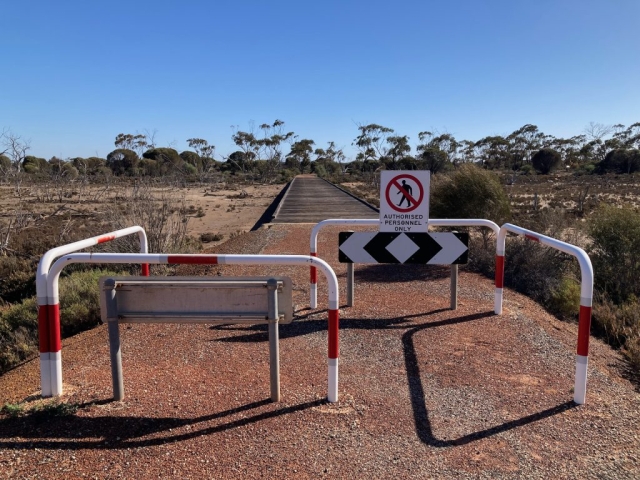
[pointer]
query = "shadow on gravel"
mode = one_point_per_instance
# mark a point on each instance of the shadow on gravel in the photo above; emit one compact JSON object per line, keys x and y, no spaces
{"x":418,"y":398}
{"x":71,"y":432}
{"x":300,"y":326}
{"x":259,"y":333}
{"x":386,"y":273}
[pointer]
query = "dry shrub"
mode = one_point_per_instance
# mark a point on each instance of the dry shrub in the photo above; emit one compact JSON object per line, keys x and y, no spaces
{"x":618,"y":323}
{"x":162,"y":214}
{"x":545,"y":274}
{"x":211,"y":237}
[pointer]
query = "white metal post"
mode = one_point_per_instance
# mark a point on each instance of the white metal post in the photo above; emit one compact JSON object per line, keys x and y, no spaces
{"x":586,"y":296}
{"x":49,"y":309}
{"x":274,"y":347}
{"x":119,"y":258}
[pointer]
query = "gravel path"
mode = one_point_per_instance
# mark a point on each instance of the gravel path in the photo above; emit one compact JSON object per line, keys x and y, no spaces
{"x":425,"y":392}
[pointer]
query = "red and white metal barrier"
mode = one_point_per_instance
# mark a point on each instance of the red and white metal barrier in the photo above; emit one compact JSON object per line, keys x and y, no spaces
{"x":448,"y":222}
{"x":586,"y":296}
{"x":112,"y":258}
{"x":49,"y":311}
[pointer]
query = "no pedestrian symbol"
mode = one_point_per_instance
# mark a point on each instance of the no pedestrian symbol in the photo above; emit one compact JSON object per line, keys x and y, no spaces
{"x":404,"y":200}
{"x":411,"y":190}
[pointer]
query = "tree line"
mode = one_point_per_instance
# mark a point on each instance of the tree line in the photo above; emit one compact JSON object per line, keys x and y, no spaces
{"x":270,"y":153}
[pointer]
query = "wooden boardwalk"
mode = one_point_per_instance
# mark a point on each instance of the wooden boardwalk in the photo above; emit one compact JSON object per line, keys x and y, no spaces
{"x":310,"y":199}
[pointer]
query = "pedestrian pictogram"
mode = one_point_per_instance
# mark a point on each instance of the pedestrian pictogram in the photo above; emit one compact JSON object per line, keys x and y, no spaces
{"x":404,"y":201}
{"x":404,"y":187}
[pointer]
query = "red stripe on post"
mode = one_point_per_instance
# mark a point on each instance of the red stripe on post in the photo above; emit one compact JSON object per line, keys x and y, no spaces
{"x":145,"y":269}
{"x":499,"y":271}
{"x":43,"y":328}
{"x":192,"y":259}
{"x":313,"y":271}
{"x":584,"y":327}
{"x":531,"y":237}
{"x":106,"y":238}
{"x":53,"y":314}
{"x":334,"y":345}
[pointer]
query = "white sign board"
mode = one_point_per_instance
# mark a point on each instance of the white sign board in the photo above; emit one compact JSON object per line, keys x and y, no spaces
{"x":404,"y":200}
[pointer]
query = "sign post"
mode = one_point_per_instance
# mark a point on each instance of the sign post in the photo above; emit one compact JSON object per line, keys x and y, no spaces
{"x":404,"y":201}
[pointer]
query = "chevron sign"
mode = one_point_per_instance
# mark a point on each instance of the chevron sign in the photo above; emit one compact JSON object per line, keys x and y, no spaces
{"x":390,"y":247}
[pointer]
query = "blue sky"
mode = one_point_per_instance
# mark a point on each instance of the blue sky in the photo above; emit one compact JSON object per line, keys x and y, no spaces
{"x":75,"y":74}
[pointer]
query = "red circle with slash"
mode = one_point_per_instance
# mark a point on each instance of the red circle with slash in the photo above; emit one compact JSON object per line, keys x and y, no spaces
{"x":415,"y":203}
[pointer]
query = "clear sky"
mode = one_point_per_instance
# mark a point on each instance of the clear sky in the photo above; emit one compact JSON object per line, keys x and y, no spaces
{"x":77,"y":73}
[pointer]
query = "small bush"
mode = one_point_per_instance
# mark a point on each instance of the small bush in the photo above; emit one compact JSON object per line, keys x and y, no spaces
{"x":535,"y":270}
{"x":565,"y":298}
{"x":161,"y":213}
{"x":470,"y":192}
{"x":546,"y":160}
{"x":79,"y":311}
{"x":632,"y":352}
{"x":52,"y":408}
{"x":620,"y":324}
{"x":211,"y":237}
{"x":17,"y":278}
{"x":614,"y":251}
{"x":527,"y":169}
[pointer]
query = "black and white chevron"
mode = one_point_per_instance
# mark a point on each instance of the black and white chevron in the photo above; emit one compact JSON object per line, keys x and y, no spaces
{"x":444,"y":248}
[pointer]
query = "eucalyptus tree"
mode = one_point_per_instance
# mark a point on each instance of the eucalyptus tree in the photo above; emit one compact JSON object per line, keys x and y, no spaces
{"x":523,"y":144}
{"x":331,"y":159}
{"x":629,"y":137}
{"x":205,"y":151}
{"x":299,"y":157}
{"x":398,"y":151}
{"x":372,"y":143}
{"x":270,"y":146}
{"x":493,"y":152}
{"x":248,"y":145}
{"x":138,"y":142}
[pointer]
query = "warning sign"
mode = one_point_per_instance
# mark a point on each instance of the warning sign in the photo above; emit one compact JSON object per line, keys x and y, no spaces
{"x":404,"y":200}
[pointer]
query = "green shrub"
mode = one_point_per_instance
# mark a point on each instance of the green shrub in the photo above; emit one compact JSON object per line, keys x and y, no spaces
{"x":527,"y":169}
{"x":565,"y":298}
{"x":470,"y":192}
{"x":43,"y":410}
{"x":79,"y":311}
{"x":18,"y":333}
{"x":12,"y":409}
{"x":17,"y":278}
{"x":80,"y":301}
{"x":614,"y":251}
{"x":546,"y":160}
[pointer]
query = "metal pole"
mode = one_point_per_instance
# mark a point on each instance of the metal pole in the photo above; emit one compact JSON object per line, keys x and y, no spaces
{"x":274,"y":349}
{"x":350,"y":285}
{"x":350,"y":282}
{"x":454,"y":287}
{"x":114,"y":340}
